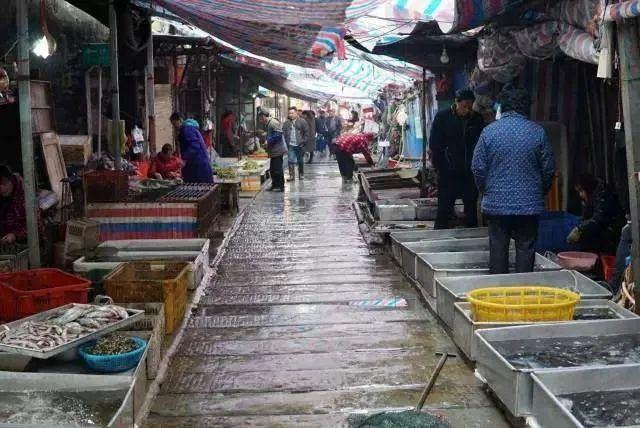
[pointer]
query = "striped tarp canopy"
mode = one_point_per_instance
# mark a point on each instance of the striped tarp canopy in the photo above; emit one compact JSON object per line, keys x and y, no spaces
{"x":301,"y":32}
{"x":624,"y":9}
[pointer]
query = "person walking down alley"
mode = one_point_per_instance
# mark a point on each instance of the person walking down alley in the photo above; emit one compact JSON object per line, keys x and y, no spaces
{"x":454,"y":134}
{"x":513,"y":166}
{"x":322,"y":129}
{"x":349,"y":144}
{"x":310,"y":148}
{"x":276,"y":148}
{"x":296,"y":133}
{"x":195,"y":156}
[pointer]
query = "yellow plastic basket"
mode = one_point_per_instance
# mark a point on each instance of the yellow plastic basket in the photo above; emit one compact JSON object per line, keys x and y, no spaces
{"x":523,"y":303}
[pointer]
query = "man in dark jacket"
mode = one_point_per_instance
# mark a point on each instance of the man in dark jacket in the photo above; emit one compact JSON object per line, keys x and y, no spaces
{"x":276,"y":148}
{"x":454,"y":135}
{"x":513,"y":166}
{"x":195,"y":156}
{"x":296,"y":132}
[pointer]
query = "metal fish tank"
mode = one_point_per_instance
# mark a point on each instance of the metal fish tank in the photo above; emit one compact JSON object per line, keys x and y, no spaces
{"x":410,"y":250}
{"x":587,"y":397}
{"x":399,"y":238}
{"x":432,"y":266}
{"x":450,"y":290}
{"x":506,"y":357}
{"x":464,"y":326}
{"x":48,"y":400}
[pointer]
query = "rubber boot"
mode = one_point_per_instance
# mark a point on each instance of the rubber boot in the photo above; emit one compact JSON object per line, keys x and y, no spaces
{"x":292,"y":173}
{"x":301,"y":170}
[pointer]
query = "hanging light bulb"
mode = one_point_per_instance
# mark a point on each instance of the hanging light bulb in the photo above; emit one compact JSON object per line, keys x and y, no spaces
{"x":444,"y":58}
{"x":41,"y":48}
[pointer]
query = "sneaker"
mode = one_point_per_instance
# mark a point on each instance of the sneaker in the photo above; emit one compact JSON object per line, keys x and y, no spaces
{"x":301,"y":177}
{"x":279,"y":189}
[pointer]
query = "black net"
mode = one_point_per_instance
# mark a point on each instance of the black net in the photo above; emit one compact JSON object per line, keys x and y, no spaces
{"x":406,"y":419}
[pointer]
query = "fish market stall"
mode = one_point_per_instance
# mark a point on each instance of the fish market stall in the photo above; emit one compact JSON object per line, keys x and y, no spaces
{"x":455,"y":289}
{"x":587,"y":397}
{"x":506,"y":357}
{"x":183,"y":212}
{"x":399,"y":238}
{"x":464,"y":326}
{"x":110,"y":254}
{"x":76,"y":342}
{"x":411,"y":249}
{"x":386,"y":184}
{"x":433,"y":266}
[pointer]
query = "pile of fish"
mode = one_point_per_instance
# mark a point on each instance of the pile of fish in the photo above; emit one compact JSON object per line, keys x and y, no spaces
{"x":62,"y":327}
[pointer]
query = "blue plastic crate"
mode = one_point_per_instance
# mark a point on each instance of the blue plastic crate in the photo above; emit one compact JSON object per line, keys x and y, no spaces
{"x":553,"y":230}
{"x":112,"y":363}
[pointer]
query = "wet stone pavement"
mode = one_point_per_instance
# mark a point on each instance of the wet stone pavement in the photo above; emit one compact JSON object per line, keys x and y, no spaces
{"x":276,"y":340}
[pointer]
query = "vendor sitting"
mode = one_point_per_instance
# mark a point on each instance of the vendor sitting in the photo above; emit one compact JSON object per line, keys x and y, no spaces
{"x":602,"y":217}
{"x":13,"y":218}
{"x":167,"y":165}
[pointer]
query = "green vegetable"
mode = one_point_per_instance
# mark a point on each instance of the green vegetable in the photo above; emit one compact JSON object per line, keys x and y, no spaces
{"x":251,"y":165}
{"x":226,"y":173}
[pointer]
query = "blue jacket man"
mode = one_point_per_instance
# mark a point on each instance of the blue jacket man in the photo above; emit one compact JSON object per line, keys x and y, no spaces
{"x":513,"y":167}
{"x":197,"y":163}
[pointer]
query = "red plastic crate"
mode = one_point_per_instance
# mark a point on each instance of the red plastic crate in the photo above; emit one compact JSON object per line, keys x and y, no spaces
{"x":29,"y":292}
{"x":608,"y":267}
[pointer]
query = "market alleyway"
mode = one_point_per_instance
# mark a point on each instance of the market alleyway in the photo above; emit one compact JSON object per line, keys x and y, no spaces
{"x":278,"y":341}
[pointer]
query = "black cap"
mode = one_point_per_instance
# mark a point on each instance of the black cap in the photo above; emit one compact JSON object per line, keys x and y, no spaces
{"x":465,"y":94}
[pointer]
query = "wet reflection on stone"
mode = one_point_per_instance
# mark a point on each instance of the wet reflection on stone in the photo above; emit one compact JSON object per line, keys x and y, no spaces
{"x":276,"y":341}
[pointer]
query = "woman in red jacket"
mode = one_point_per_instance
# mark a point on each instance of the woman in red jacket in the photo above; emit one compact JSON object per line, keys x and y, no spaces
{"x":166,"y":165}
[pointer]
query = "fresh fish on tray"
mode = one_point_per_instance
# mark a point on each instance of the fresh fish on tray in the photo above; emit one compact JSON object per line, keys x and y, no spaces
{"x":62,"y":326}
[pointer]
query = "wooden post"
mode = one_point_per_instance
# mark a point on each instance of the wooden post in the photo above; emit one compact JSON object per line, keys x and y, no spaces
{"x":629,"y":53}
{"x":151,"y":148}
{"x":26,"y":136}
{"x":115,"y":83}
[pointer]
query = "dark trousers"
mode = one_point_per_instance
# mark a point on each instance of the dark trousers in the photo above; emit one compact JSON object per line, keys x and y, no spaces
{"x":524,"y":230}
{"x":311,"y":153}
{"x":623,"y":251}
{"x":452,"y":186}
{"x":346,"y":164}
{"x":276,"y":171}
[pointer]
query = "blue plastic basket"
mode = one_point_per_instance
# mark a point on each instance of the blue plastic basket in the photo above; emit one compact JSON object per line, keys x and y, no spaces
{"x":553,"y":230}
{"x":112,"y":363}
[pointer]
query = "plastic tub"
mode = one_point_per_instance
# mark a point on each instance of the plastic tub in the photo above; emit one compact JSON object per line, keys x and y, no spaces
{"x":577,"y":260}
{"x":608,"y":267}
{"x":522,"y":304}
{"x":29,"y":292}
{"x":113,"y":363}
{"x":145,"y":282}
{"x":553,"y":229}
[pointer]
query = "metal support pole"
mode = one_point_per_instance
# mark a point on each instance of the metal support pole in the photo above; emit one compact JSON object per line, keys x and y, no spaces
{"x":151,"y":98}
{"x":115,"y":81}
{"x":423,"y":124}
{"x":629,"y":54}
{"x":87,"y":88}
{"x":99,"y":111}
{"x":26,"y":136}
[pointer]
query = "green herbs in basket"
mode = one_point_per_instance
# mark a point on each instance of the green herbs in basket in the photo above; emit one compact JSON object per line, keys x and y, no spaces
{"x":114,"y":344}
{"x":226,"y":173}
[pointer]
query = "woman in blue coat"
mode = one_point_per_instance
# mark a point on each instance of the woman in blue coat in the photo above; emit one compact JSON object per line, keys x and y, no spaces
{"x":197,"y":164}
